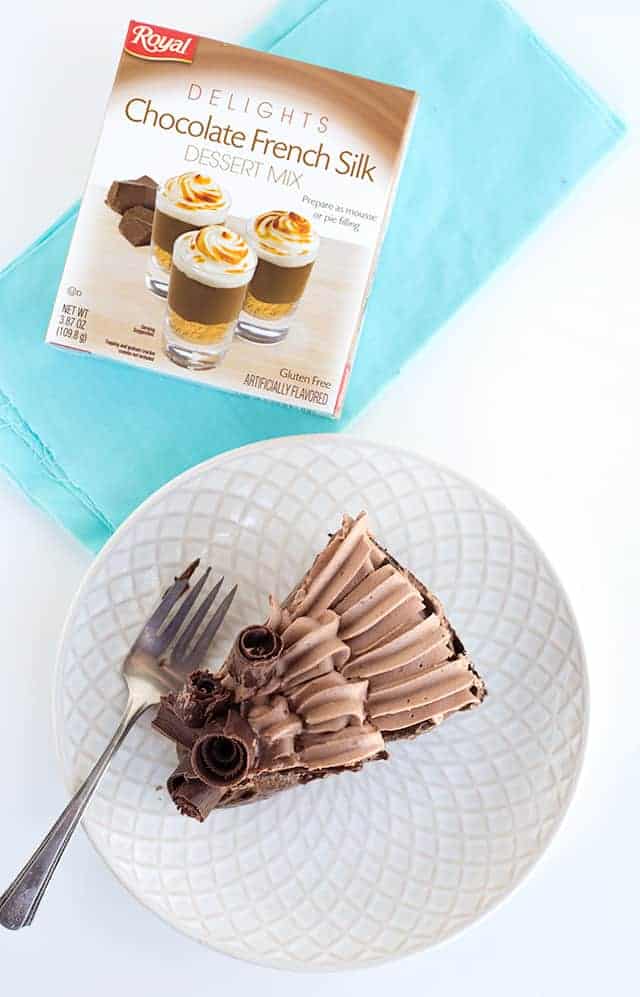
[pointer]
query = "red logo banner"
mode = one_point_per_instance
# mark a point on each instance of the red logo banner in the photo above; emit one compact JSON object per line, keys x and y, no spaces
{"x":148,"y":41}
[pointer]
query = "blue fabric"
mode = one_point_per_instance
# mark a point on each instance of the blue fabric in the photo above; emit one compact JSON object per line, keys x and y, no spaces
{"x":505,"y":129}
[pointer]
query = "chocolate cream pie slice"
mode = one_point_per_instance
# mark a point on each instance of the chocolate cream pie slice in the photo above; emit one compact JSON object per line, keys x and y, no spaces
{"x":360,"y":653}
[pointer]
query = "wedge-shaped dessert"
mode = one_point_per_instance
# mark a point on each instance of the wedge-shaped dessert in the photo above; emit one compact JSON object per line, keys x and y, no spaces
{"x":360,"y":653}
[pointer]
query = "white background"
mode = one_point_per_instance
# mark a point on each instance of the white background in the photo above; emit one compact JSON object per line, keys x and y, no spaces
{"x":532,"y":390}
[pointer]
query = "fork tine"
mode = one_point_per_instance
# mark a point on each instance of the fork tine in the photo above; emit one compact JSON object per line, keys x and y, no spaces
{"x":190,"y":568}
{"x":197,"y":654}
{"x":180,"y":649}
{"x":169,"y":599}
{"x":176,"y":621}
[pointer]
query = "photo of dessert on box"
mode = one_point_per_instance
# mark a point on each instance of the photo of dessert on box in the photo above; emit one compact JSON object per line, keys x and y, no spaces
{"x":218,"y":281}
{"x":210,"y":272}
{"x":184,"y":204}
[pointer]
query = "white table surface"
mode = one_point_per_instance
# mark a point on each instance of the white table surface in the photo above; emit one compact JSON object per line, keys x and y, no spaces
{"x":547,"y":358}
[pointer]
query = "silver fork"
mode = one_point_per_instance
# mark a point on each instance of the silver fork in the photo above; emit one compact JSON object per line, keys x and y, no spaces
{"x":147,"y":676}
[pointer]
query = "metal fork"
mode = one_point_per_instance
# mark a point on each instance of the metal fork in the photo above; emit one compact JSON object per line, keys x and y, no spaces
{"x":147,"y":675}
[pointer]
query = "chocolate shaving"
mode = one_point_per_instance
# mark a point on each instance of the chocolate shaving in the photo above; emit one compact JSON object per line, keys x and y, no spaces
{"x":253,"y":659}
{"x":202,"y":698}
{"x":192,"y":797}
{"x":181,"y":714}
{"x":225,"y":752}
{"x":169,"y":722}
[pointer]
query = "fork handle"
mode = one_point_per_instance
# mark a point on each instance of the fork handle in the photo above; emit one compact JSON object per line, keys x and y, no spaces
{"x":18,"y":905}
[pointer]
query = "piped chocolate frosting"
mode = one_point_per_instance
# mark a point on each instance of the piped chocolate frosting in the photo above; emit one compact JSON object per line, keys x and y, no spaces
{"x":360,"y":653}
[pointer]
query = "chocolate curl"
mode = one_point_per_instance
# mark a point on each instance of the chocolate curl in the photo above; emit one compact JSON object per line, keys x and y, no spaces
{"x":253,"y":659}
{"x":224,"y":754}
{"x":201,"y":699}
{"x":169,"y":723}
{"x":192,"y":797}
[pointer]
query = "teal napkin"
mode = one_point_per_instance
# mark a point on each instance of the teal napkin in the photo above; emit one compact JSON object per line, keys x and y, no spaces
{"x":505,"y":129}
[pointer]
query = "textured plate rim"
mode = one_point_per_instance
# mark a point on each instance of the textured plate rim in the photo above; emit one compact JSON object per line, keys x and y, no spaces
{"x":211,"y":462}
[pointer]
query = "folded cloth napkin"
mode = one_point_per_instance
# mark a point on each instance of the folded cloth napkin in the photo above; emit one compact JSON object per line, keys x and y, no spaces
{"x":504,"y":130}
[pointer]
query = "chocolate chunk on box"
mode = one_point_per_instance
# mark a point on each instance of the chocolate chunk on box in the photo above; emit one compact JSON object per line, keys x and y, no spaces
{"x":135,"y":225}
{"x":125,"y":194}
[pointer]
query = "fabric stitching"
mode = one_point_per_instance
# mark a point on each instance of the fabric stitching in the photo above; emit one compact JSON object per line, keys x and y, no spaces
{"x":50,"y":465}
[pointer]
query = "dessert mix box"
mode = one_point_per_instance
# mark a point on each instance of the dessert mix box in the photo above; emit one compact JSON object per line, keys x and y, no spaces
{"x":232,"y":218}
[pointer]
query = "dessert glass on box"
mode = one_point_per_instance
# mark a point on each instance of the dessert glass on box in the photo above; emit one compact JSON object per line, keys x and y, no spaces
{"x":210,"y":270}
{"x":186,"y":202}
{"x":286,"y":245}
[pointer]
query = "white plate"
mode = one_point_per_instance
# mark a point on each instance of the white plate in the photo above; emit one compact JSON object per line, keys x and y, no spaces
{"x":359,"y":868}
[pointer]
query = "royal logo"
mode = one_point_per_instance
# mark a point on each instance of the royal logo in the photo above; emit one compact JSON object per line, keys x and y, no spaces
{"x":147,"y":41}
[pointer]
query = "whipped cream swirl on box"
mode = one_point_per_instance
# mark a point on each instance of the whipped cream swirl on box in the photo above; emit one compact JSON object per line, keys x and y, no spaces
{"x":216,"y":256}
{"x":284,"y":238}
{"x":194,"y":197}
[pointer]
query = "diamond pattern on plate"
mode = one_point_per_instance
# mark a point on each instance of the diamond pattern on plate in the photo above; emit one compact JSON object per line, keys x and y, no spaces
{"x":358,"y":868}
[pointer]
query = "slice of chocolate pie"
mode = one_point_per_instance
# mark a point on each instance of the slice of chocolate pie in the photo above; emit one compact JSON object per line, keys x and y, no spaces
{"x":360,"y":653}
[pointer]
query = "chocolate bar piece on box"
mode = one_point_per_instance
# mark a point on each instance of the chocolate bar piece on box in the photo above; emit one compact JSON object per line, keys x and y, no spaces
{"x":135,"y":225}
{"x":125,"y":194}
